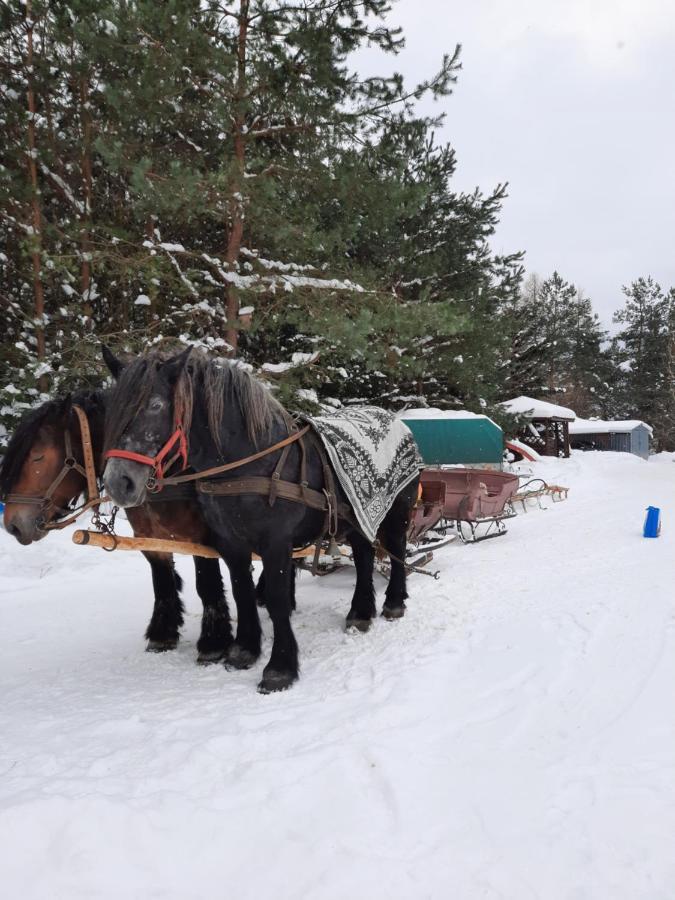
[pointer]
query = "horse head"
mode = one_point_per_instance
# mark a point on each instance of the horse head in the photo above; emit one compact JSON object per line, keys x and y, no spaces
{"x":42,"y":470}
{"x":143,"y":431}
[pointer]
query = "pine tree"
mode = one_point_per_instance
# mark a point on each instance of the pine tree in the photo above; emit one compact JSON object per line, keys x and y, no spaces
{"x":218,"y":173}
{"x":557,"y":347}
{"x":645,"y":351}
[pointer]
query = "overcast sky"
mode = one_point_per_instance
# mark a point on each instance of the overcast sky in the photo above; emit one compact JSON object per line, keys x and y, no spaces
{"x":573,"y":103}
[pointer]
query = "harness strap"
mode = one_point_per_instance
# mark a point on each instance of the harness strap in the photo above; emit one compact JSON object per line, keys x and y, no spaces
{"x":87,"y":453}
{"x":259,"y":484}
{"x":278,"y":471}
{"x":228,"y":467}
{"x":157,"y":462}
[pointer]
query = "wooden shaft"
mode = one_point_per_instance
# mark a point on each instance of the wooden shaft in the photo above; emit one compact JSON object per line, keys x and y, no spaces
{"x":156,"y":545}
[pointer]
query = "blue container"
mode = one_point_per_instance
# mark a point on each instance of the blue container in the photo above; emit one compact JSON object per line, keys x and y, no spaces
{"x":652,"y":527}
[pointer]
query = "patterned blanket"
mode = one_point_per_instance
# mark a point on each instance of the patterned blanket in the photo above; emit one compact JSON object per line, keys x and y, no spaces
{"x":374,"y":456}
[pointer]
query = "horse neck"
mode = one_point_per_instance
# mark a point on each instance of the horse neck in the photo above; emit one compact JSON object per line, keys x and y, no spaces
{"x":234,"y":438}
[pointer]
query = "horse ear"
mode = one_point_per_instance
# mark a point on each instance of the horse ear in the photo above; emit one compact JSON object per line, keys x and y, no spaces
{"x":175,"y":365}
{"x":66,"y":404}
{"x":115,"y":365}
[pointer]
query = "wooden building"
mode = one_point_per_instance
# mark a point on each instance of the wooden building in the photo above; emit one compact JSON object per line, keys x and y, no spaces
{"x":627,"y":436}
{"x":547,"y":429}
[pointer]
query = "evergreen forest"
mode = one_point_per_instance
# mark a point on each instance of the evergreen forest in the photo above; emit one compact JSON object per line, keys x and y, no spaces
{"x":221,"y":174}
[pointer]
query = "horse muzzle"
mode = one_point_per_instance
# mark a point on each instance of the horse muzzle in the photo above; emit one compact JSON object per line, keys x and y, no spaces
{"x":126,"y":482}
{"x":23,"y":524}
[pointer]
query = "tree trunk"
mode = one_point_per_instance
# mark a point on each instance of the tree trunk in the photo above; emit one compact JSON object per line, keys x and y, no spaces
{"x":236,"y":196}
{"x":36,"y":251}
{"x":85,"y":239}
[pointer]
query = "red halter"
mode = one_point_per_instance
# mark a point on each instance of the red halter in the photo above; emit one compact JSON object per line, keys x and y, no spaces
{"x":157,"y":462}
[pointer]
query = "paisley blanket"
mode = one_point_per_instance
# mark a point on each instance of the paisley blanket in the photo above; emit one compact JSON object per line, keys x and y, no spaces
{"x":374,"y":456}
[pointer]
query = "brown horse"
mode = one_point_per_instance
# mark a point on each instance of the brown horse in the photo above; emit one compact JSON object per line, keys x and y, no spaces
{"x":40,"y":483}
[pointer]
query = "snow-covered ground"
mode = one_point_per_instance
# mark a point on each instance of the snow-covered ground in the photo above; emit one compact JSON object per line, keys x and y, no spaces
{"x":513,"y":737}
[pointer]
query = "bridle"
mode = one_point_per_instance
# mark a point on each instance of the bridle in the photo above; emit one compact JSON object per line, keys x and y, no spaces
{"x":87,"y":471}
{"x":159,"y":464}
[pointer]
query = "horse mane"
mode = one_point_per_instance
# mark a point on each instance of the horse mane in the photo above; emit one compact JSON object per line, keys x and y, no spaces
{"x":222,"y":382}
{"x":218,"y":382}
{"x":48,"y":413}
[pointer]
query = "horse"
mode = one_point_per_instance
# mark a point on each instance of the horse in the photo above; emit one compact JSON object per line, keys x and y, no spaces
{"x":39,"y":453}
{"x":214,"y":412}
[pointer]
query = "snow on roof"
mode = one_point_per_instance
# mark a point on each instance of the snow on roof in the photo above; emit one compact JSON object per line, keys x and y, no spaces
{"x":431,"y":412}
{"x":537,"y":409}
{"x":598,"y":426}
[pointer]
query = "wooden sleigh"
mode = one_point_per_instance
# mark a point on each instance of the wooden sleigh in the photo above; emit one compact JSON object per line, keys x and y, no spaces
{"x":471,"y":503}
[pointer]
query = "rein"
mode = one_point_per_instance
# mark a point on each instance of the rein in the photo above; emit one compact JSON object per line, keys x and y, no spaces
{"x":88,"y":472}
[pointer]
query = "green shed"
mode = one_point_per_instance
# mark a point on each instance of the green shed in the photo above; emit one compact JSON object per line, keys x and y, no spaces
{"x":455,"y":437}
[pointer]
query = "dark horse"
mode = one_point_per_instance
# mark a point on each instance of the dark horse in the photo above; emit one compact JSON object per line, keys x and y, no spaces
{"x":228,"y":415}
{"x":34,"y":458}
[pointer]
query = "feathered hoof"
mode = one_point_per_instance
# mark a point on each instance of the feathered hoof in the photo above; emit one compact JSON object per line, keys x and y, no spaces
{"x":360,"y":625}
{"x":274,"y":681}
{"x":239,"y":658}
{"x":161,"y":646}
{"x":393,"y":612}
{"x":209,"y":657}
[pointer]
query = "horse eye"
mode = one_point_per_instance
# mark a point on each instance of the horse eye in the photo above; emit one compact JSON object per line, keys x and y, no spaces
{"x":156,"y":405}
{"x":38,"y":458}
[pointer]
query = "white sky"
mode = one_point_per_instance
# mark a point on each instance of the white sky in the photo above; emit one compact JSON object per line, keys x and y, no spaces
{"x":572,"y":102}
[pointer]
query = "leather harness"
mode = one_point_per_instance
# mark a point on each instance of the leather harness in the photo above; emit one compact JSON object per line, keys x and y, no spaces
{"x":271,"y":487}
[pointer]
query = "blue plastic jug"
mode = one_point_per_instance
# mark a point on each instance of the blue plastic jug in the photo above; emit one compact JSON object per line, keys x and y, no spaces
{"x":652,"y":527}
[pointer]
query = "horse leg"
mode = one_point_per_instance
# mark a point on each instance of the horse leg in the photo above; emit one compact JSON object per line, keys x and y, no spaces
{"x":245,"y":650}
{"x":216,"y":633}
{"x":362,"y":610}
{"x":394,"y":533}
{"x":162,"y":632}
{"x":260,"y":588}
{"x":282,"y":669}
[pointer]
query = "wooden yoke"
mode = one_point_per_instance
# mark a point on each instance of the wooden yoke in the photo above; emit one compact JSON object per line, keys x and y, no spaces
{"x":112,"y":542}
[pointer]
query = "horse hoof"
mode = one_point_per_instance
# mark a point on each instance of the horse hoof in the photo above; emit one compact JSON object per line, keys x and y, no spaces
{"x":393,"y":612}
{"x":208,"y":657}
{"x":161,"y":646}
{"x":238,"y":658}
{"x":273,"y":681}
{"x":360,"y":625}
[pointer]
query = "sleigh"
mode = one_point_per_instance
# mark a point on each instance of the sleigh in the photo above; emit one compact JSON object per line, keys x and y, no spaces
{"x":472,"y":504}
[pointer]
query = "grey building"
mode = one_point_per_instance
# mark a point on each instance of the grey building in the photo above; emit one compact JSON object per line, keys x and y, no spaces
{"x":630,"y":436}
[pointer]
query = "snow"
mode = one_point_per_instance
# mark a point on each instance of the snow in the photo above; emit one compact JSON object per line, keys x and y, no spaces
{"x":431,"y":412}
{"x":600,"y":426}
{"x":142,"y":300}
{"x":512,"y":737}
{"x":297,"y":359}
{"x":537,"y":409}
